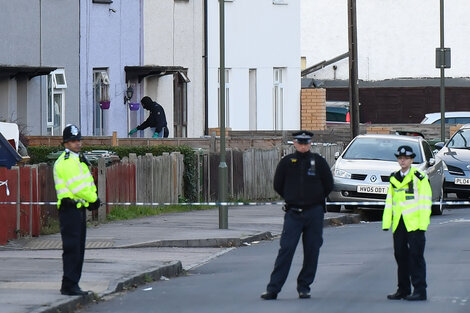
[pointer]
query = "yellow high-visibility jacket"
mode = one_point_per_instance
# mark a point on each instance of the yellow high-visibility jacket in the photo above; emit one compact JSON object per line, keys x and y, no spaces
{"x":73,"y":180}
{"x":410,"y":199}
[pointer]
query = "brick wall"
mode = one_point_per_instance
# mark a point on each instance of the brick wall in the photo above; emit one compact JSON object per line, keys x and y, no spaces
{"x":378,"y":130}
{"x":313,"y":109}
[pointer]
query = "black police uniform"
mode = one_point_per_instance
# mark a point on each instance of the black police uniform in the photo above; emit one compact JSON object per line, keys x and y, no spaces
{"x":73,"y":233}
{"x":303,"y":180}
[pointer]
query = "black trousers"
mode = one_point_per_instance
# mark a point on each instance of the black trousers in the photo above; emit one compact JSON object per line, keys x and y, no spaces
{"x":309,"y":224}
{"x":409,"y":254}
{"x":73,"y":232}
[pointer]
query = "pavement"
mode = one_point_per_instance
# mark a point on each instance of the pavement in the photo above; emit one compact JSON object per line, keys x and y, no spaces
{"x":125,"y":254}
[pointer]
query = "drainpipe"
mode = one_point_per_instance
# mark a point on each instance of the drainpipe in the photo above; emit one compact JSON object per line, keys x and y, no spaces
{"x":206,"y":73}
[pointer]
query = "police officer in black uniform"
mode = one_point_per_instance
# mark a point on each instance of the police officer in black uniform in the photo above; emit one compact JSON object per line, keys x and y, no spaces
{"x":304,"y":180}
{"x":76,"y":191}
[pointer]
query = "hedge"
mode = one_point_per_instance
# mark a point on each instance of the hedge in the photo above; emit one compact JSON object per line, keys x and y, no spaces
{"x":41,"y":154}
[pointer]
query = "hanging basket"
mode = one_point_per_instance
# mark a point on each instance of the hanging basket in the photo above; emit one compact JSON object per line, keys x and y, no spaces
{"x":104,"y":105}
{"x":134,"y":106}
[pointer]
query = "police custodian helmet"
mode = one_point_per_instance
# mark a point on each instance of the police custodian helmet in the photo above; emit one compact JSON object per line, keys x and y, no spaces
{"x":405,"y":151}
{"x":71,"y":132}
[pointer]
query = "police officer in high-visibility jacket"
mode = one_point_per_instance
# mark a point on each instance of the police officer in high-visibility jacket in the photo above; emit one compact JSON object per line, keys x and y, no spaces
{"x":407,"y":211}
{"x":76,"y":191}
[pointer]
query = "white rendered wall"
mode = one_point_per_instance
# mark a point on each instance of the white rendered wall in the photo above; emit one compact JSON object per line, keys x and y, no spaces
{"x":396,"y":38}
{"x":261,"y":36}
{"x":173,"y":36}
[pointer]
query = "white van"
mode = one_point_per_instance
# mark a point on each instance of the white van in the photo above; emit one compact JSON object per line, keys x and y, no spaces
{"x":462,"y":117}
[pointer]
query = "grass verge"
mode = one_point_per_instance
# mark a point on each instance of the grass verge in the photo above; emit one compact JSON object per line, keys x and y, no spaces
{"x":126,"y":213}
{"x":51,"y":227}
{"x":130,"y":212}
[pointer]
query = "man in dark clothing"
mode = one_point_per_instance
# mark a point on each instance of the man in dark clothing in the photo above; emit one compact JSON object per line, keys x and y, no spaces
{"x":304,"y":180}
{"x":156,"y":119}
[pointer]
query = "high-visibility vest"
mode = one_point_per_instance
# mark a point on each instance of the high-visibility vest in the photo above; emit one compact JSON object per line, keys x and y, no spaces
{"x":410,"y":199}
{"x":73,"y":180}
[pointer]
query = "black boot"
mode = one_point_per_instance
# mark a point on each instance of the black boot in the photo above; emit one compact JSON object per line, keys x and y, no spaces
{"x":269,"y":295}
{"x":398,"y":295}
{"x":417,"y":296}
{"x":73,"y":291}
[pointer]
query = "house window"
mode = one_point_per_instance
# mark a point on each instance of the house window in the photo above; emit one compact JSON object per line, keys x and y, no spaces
{"x":253,"y":99}
{"x":278,"y":97}
{"x":100,"y":94}
{"x":58,"y":79}
{"x":227,"y":95}
{"x":56,"y":85}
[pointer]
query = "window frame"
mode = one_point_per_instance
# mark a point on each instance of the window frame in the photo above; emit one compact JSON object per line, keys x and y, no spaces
{"x":278,"y":97}
{"x":53,"y":90}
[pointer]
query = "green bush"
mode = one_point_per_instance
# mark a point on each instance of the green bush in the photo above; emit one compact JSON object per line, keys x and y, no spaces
{"x":39,"y":154}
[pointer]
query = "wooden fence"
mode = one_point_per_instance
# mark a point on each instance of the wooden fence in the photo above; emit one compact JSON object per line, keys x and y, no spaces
{"x":19,"y":185}
{"x":146,"y":178}
{"x":251,"y":172}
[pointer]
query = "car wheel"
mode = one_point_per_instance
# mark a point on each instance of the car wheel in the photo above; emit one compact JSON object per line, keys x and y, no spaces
{"x":463,"y":195}
{"x":437,"y":209}
{"x":333,"y":208}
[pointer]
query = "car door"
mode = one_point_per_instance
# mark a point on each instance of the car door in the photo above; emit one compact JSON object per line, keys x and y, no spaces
{"x":434,"y":171}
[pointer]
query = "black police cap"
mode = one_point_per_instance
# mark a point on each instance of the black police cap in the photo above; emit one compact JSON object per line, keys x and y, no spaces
{"x":303,"y":136}
{"x":405,"y":151}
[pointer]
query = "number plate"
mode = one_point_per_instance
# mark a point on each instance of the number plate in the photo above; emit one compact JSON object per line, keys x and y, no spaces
{"x":462,"y":181}
{"x":373,"y":189}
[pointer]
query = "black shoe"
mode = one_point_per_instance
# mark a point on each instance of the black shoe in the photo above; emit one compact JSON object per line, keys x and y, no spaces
{"x":398,"y":295}
{"x":74,"y":291}
{"x":304,"y":295}
{"x":416,"y":297}
{"x":269,"y":295}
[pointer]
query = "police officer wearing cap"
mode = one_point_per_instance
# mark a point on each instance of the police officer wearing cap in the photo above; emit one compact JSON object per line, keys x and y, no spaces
{"x":303,"y":179}
{"x":76,"y":191}
{"x":407,"y":210}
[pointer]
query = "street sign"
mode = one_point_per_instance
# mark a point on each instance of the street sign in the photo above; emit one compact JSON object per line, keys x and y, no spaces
{"x":442,"y":57}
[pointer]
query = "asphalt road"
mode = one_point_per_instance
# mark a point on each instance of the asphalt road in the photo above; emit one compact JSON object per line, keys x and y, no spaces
{"x":356,"y":271}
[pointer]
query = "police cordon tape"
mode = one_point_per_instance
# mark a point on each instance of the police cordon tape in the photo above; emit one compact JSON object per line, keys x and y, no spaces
{"x":363,"y":203}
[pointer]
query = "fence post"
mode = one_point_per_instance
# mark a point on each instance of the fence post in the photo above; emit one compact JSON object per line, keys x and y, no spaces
{"x":102,"y":189}
{"x":18,"y":207}
{"x":30,"y":201}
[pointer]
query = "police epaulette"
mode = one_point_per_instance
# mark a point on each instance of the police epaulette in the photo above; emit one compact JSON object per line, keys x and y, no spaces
{"x":67,"y":155}
{"x":419,"y":175}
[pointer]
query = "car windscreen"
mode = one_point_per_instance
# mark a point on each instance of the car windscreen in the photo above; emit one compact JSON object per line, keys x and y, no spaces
{"x":461,"y":140}
{"x":379,"y":149}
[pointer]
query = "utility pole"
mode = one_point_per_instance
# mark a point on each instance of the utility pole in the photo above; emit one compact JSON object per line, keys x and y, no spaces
{"x":223,"y":210}
{"x":442,"y":62}
{"x":353,"y":76}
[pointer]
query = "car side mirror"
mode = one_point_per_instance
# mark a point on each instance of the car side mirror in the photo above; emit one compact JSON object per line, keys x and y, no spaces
{"x":431,"y":162}
{"x":439,"y":145}
{"x":336,"y":155}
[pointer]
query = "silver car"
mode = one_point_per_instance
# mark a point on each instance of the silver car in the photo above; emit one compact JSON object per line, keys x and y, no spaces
{"x":362,"y":172}
{"x":456,"y":156}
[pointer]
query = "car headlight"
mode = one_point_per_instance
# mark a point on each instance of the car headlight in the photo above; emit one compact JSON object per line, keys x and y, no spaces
{"x":342,"y":174}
